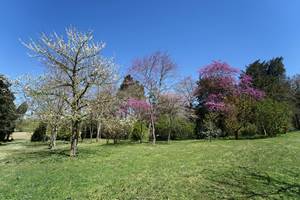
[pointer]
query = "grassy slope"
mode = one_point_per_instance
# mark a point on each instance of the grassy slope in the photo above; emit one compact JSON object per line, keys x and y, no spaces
{"x":260,"y":169}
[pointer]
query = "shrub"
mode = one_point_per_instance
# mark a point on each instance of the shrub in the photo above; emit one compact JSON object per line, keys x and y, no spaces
{"x":116,"y":129}
{"x":64,"y":133}
{"x":273,"y":117}
{"x":139,"y":131}
{"x":180,"y":128}
{"x":210,"y":129}
{"x":249,"y":130}
{"x":39,"y":133}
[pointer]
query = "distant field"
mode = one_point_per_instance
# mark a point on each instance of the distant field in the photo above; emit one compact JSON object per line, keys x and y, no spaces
{"x":21,"y":135}
{"x":221,"y":169}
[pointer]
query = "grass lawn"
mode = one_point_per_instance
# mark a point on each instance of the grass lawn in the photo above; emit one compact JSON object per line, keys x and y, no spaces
{"x":194,"y":169}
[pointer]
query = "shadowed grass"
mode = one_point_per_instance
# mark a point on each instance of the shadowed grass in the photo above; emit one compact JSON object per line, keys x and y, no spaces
{"x":221,"y":169}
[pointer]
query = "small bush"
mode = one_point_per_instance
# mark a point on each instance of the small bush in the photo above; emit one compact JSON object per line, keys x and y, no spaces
{"x":140,"y":131}
{"x":39,"y":133}
{"x":250,"y":130}
{"x":210,"y":130}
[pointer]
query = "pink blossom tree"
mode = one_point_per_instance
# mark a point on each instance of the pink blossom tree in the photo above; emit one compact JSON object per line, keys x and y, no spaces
{"x":140,"y":111}
{"x":154,"y":72}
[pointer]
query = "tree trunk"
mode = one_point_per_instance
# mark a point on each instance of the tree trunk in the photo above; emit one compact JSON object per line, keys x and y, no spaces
{"x":7,"y":136}
{"x":153,"y":130}
{"x":169,"y":136}
{"x":91,"y":131}
{"x":236,"y":135}
{"x":297,"y":121}
{"x":84,"y":133}
{"x":169,"y":132}
{"x":74,"y":138}
{"x":141,"y":132}
{"x":53,"y":138}
{"x":98,"y":131}
{"x":265,"y":132}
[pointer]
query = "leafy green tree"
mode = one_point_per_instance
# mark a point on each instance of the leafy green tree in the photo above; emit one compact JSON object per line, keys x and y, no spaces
{"x":8,"y":113}
{"x":272,"y":117}
{"x":139,"y":131}
{"x":180,"y":128}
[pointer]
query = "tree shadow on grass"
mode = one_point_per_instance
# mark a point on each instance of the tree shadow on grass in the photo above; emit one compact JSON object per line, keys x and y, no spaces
{"x":248,"y":183}
{"x":36,"y":156}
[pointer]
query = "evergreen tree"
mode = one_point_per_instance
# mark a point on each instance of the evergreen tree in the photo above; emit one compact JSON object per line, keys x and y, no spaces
{"x":270,"y":77}
{"x":131,"y":88}
{"x":295,"y":93}
{"x":8,"y":113}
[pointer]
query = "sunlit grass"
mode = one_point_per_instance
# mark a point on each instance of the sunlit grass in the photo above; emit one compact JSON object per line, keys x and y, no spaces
{"x":194,"y":169}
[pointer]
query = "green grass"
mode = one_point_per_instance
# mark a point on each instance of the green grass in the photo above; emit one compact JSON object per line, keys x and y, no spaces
{"x":221,"y":169}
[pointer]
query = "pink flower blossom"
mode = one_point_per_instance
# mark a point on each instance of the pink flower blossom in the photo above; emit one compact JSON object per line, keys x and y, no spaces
{"x":219,"y":80}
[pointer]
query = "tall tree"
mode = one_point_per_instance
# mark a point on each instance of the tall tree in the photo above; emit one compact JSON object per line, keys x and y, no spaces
{"x":131,"y":88}
{"x":8,"y":113}
{"x":102,"y":106}
{"x":154,"y":72}
{"x":186,"y":89}
{"x":270,"y":77}
{"x":295,"y":92}
{"x":220,"y":91}
{"x":171,"y":105}
{"x":76,"y":66}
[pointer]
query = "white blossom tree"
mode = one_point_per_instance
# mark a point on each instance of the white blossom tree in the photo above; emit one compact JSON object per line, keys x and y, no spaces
{"x":50,"y":109}
{"x":78,"y":66}
{"x":101,"y":106}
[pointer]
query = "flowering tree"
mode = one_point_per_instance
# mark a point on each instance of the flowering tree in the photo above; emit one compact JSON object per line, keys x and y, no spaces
{"x":139,"y":111}
{"x":136,"y":107}
{"x":154,"y":73}
{"x":219,"y":90}
{"x":102,"y":106}
{"x":76,"y":66}
{"x":50,"y":109}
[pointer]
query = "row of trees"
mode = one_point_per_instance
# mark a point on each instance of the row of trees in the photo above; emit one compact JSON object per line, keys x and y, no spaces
{"x":80,"y":88}
{"x":233,"y":103}
{"x":80,"y":94}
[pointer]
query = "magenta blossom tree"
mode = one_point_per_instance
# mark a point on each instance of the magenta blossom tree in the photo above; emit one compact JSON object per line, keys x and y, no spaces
{"x":222,"y":89}
{"x":140,"y":111}
{"x":219,"y":83}
{"x":137,"y":108}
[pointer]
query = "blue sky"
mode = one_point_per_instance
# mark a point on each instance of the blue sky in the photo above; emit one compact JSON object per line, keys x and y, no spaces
{"x":194,"y":32}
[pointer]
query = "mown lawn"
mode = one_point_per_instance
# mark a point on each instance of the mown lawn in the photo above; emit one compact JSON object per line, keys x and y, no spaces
{"x":221,"y":169}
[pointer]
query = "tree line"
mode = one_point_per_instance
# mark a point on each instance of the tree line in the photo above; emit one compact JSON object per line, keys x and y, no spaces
{"x":79,"y":96}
